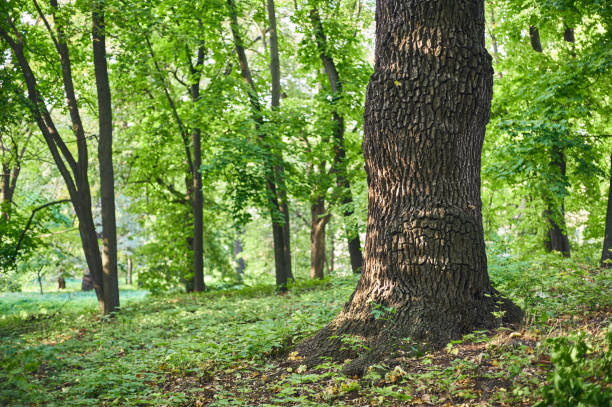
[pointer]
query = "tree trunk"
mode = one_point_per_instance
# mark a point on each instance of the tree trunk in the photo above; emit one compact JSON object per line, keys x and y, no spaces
{"x":6,"y":195}
{"x":198,"y":200}
{"x":339,"y":164}
{"x":332,"y":253}
{"x":73,"y":171}
{"x":425,"y":266}
{"x":319,"y":220}
{"x":271,"y":173}
{"x":130,"y":265}
{"x":61,"y":283}
{"x":606,"y":253}
{"x":240,"y":265}
{"x":39,"y":279}
{"x":534,"y":36}
{"x":110,"y":279}
{"x":87,"y":283}
{"x":556,"y":236}
{"x":279,"y":173}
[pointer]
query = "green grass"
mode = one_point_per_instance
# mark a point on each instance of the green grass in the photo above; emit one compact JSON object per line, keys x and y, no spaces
{"x":26,"y":305}
{"x":233,"y":347}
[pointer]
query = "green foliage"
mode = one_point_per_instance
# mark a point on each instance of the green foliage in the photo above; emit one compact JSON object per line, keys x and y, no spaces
{"x":18,"y":362}
{"x":580,"y":372}
{"x":208,"y":333}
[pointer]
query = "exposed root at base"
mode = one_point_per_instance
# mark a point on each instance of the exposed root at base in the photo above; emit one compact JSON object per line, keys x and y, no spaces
{"x":367,"y":341}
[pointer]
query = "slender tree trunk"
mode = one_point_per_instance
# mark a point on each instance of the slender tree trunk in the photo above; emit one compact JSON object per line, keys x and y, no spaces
{"x":556,"y":237}
{"x":110,"y":278}
{"x":6,"y":196}
{"x":339,"y":164}
{"x":427,"y":107}
{"x":534,"y":36}
{"x":39,"y":279}
{"x":70,"y":170}
{"x":319,"y":220}
{"x":606,"y":253}
{"x":240,"y":265}
{"x":130,"y":265}
{"x":198,"y":200}
{"x":279,"y":173}
{"x":274,"y":203}
{"x":332,"y":253}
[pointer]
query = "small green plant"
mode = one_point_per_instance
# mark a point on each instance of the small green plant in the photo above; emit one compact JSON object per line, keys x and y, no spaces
{"x":351,"y":342}
{"x":381,"y":312}
{"x":579,"y":376}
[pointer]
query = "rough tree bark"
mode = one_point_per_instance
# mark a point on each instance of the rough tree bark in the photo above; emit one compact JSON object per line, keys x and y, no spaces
{"x":105,"y":159}
{"x":271,"y":175}
{"x":606,"y":253}
{"x":427,"y":106}
{"x":339,"y":165}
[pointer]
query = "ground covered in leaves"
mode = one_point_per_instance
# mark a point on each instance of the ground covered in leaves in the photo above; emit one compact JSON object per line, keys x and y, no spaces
{"x":235,"y":347}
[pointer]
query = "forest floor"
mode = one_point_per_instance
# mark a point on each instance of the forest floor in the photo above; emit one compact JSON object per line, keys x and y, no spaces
{"x":235,"y":348}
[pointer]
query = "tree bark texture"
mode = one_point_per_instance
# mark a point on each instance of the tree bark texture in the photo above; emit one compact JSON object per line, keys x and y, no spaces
{"x":339,"y":164}
{"x":427,"y":106}
{"x":606,"y":253}
{"x":110,"y":278}
{"x":319,"y":220}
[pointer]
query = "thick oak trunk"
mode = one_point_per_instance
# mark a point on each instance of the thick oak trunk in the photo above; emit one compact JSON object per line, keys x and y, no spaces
{"x":425,"y":265}
{"x":318,"y":220}
{"x":606,"y":254}
{"x":110,"y":280}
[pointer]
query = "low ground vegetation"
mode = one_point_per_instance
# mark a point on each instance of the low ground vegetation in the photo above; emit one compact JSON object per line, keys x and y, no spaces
{"x":235,"y":347}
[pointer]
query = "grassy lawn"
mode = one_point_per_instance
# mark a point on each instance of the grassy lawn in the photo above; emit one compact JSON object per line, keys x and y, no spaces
{"x":234,"y":347}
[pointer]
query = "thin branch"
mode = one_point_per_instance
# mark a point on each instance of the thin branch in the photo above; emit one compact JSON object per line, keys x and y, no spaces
{"x":21,"y":237}
{"x":172,"y":106}
{"x":42,"y":16}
